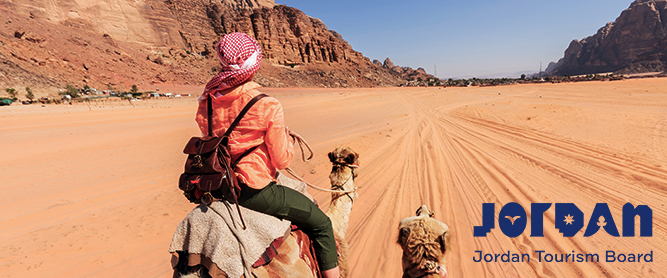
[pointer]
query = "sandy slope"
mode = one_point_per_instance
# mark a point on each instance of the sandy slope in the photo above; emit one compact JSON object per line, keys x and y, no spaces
{"x":91,"y":191}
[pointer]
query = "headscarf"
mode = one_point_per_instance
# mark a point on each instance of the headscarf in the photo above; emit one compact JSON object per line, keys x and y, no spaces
{"x":240,"y":57}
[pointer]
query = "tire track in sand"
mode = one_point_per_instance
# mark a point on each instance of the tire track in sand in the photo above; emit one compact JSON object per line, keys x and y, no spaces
{"x":466,"y":161}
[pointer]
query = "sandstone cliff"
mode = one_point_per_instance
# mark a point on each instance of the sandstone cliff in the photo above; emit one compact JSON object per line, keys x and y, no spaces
{"x":46,"y":44}
{"x":301,"y":50}
{"x":635,"y":42}
{"x":147,"y":22}
{"x":36,"y":53}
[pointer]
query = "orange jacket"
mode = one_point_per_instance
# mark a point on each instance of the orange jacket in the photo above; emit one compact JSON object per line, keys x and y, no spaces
{"x":263,"y":125}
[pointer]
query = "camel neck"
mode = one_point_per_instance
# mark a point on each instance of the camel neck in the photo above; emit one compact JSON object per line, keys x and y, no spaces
{"x":341,"y":204}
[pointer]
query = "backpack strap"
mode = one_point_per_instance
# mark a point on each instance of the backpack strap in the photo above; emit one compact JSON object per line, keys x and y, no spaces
{"x":236,"y":122}
{"x":209,"y":107}
{"x":227,"y":133}
{"x":242,"y":113}
{"x":247,"y":152}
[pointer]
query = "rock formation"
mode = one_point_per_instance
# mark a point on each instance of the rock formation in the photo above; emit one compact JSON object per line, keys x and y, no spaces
{"x":405,"y":72}
{"x":635,"y":42}
{"x":116,"y":43}
{"x":147,"y":22}
{"x":301,"y":49}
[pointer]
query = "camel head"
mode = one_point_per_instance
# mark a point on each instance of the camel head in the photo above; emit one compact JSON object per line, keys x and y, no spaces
{"x":345,"y":168}
{"x":424,"y":241}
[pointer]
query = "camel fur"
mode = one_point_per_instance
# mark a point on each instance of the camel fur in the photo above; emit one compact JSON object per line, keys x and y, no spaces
{"x":424,"y":241}
{"x":344,"y":170}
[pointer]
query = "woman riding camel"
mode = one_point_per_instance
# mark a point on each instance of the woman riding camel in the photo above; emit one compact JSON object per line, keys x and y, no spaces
{"x":263,"y":125}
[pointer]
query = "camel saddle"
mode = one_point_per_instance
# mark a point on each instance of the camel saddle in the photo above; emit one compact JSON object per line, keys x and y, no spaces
{"x":209,"y":236}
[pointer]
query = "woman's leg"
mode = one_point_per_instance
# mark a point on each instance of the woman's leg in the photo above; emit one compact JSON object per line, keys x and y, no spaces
{"x":286,"y":203}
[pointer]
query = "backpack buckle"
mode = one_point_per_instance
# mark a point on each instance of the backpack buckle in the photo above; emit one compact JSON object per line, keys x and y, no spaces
{"x":197,"y":161}
{"x":207,"y":198}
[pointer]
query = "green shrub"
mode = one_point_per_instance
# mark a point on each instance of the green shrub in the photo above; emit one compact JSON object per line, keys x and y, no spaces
{"x":12,"y":93}
{"x":29,"y":95}
{"x":71,"y":91}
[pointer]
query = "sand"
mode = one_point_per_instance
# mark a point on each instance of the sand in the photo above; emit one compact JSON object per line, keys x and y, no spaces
{"x":90,"y":191}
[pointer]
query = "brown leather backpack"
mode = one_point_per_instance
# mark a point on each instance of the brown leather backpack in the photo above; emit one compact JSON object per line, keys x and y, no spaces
{"x":209,"y":170}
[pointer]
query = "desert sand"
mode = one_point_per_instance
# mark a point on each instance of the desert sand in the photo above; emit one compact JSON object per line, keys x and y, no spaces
{"x":91,"y":191}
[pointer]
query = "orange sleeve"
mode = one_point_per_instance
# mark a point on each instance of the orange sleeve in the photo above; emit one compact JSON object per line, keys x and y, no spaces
{"x":278,"y":142}
{"x":201,"y":117}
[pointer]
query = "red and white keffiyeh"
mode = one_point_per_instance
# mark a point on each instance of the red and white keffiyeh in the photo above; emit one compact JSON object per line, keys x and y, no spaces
{"x":240,"y":57}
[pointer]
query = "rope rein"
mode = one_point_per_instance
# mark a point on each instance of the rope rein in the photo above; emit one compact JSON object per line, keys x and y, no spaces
{"x":341,"y":188}
{"x":296,"y":176}
{"x":302,"y":142}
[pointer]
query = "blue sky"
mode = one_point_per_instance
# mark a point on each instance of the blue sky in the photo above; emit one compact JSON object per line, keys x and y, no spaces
{"x":479,"y":38}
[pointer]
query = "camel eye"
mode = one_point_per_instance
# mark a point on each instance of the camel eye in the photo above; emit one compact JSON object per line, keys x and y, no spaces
{"x":351,"y":158}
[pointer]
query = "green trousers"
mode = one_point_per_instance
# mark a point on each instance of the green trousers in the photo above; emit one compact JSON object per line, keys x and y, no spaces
{"x":289,"y":204}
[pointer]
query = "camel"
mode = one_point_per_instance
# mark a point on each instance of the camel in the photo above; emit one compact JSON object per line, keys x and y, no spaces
{"x":344,"y":170}
{"x":290,"y":260}
{"x":424,"y":241}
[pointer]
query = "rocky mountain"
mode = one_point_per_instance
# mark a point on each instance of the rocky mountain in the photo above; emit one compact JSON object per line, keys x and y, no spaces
{"x":635,"y":42}
{"x":405,"y":72}
{"x":117,"y":43}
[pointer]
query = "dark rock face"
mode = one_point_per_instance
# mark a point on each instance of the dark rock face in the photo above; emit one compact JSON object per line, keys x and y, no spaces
{"x":635,"y":42}
{"x":296,"y":45}
{"x":291,"y":37}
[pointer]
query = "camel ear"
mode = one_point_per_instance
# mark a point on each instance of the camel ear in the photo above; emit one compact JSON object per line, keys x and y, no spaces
{"x":332,"y":157}
{"x":444,"y":242}
{"x":403,"y":235}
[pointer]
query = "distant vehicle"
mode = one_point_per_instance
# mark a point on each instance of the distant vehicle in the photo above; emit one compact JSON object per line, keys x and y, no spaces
{"x":5,"y":101}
